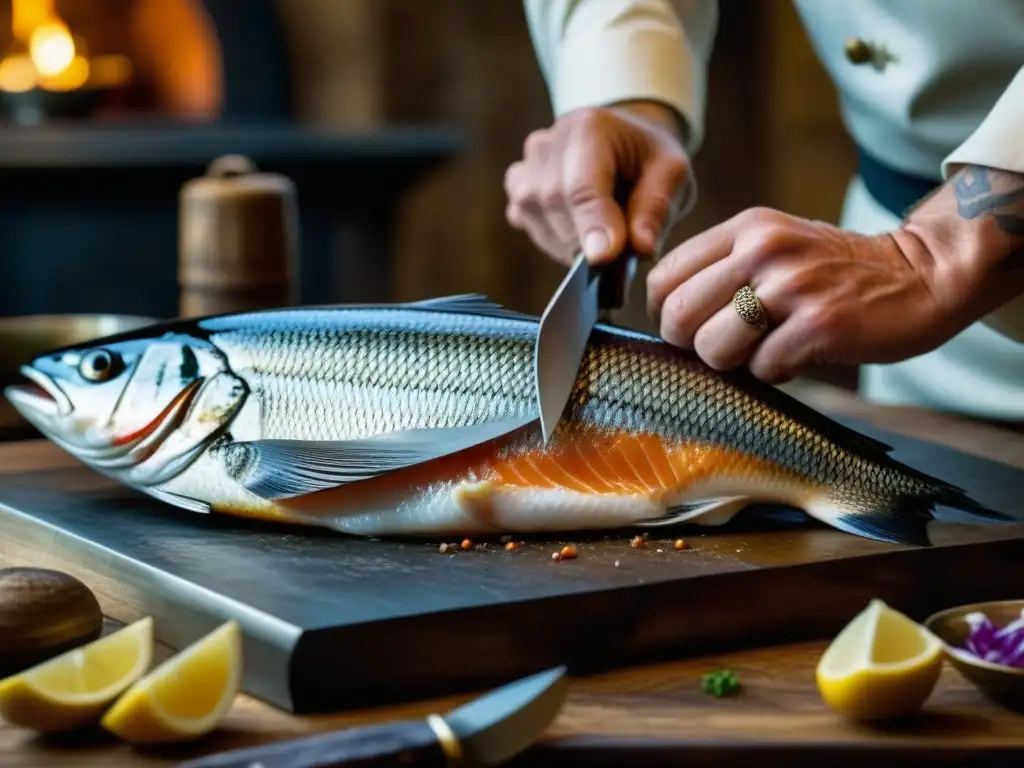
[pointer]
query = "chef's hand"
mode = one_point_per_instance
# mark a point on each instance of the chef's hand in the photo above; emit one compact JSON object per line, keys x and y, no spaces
{"x":833,"y":296}
{"x":561,"y":192}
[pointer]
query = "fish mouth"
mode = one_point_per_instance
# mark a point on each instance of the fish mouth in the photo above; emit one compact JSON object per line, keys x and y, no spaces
{"x":40,"y":397}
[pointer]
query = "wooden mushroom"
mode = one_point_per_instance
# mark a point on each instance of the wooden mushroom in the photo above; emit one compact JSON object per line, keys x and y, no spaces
{"x":43,"y":613}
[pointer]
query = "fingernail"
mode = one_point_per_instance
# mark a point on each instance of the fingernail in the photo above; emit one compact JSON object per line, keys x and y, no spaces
{"x":595,"y":243}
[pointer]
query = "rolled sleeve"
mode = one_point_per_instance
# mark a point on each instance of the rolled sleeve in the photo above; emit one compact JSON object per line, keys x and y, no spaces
{"x":601,"y":52}
{"x":998,"y":142}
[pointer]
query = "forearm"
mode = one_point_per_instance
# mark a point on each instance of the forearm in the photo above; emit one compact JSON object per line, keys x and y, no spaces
{"x":996,"y":144}
{"x":972,"y":231}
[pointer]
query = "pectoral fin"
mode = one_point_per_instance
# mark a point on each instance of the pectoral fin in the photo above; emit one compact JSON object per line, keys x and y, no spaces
{"x":709,"y":512}
{"x":280,"y":469}
{"x":184,"y":502}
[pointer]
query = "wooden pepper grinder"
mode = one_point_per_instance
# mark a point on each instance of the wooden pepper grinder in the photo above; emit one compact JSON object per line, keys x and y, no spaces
{"x":237,"y":239}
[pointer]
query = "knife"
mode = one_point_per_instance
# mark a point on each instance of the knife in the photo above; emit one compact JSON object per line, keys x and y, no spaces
{"x":485,"y":732}
{"x":585,"y":294}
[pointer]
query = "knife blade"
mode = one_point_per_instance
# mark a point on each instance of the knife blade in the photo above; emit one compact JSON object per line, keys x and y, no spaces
{"x":562,"y":339}
{"x":487,"y":731}
{"x":585,"y":295}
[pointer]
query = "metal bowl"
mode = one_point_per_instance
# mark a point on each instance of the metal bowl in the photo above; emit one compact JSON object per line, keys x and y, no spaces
{"x":1000,"y":684}
{"x":23,"y":338}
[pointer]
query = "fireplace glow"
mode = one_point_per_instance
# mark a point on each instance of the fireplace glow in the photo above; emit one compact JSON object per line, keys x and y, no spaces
{"x":45,"y":55}
{"x":52,"y":50}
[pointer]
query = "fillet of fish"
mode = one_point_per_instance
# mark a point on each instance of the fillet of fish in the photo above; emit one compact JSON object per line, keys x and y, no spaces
{"x":421,"y":419}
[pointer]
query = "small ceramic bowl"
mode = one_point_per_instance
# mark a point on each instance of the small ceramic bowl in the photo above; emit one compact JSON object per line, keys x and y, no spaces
{"x":1001,"y":685}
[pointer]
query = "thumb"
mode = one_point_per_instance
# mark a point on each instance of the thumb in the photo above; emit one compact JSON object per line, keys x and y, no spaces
{"x":656,"y":194}
{"x":588,"y":175}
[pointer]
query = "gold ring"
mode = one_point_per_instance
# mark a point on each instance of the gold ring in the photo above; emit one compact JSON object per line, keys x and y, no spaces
{"x":446,"y":738}
{"x":749,"y":308}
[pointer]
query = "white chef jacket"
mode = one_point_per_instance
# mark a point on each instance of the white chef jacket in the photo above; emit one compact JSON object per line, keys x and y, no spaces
{"x":949,"y":91}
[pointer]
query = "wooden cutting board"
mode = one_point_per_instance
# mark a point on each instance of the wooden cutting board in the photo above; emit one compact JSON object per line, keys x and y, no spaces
{"x":333,"y":622}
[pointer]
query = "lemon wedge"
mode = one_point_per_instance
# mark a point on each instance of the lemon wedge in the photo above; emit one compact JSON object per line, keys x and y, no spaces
{"x":881,"y":665}
{"x":185,"y":697}
{"x":72,"y":689}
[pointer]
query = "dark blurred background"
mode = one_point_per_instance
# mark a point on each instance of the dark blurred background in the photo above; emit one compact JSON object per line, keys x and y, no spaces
{"x":395,"y":119}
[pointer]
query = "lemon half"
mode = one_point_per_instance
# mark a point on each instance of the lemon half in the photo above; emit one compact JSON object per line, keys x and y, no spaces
{"x":72,"y":689}
{"x":881,"y":665}
{"x":185,"y":697}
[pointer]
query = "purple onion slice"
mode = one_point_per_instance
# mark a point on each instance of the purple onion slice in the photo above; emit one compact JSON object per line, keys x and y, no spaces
{"x":997,"y":645}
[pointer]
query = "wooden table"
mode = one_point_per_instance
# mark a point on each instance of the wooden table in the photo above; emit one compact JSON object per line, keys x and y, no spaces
{"x":656,"y":714}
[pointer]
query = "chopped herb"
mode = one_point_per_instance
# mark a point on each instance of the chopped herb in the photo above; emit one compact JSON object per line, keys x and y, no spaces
{"x":720,"y":683}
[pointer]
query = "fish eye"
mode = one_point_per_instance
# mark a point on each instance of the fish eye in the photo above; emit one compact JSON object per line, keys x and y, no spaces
{"x":98,"y":365}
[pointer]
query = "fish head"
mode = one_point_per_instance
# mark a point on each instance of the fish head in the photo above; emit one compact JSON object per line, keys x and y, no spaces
{"x":114,"y":401}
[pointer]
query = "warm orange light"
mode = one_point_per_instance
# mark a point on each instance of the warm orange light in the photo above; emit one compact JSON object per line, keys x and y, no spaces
{"x":17,"y":74}
{"x":52,"y":49}
{"x":45,"y":55}
{"x":109,"y":71}
{"x":28,"y":15}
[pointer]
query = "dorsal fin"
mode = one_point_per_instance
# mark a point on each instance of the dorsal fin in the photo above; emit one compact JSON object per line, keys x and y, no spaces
{"x":464,"y":304}
{"x":469,"y":304}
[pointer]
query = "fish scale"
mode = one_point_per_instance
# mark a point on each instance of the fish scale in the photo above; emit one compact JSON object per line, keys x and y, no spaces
{"x":715,"y":412}
{"x":464,"y":386}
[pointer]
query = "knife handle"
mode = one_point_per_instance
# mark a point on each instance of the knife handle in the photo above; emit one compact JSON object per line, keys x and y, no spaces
{"x":409,"y":742}
{"x":616,"y":275}
{"x":615,"y":280}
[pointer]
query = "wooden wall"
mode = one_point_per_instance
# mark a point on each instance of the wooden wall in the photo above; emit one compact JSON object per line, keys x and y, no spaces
{"x":774,"y":136}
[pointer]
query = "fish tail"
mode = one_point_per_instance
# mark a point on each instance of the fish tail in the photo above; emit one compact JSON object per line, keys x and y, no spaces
{"x":955,"y":498}
{"x":895,"y":518}
{"x":900,"y":519}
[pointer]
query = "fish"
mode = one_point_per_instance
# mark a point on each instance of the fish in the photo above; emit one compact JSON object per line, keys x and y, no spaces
{"x":420,"y":419}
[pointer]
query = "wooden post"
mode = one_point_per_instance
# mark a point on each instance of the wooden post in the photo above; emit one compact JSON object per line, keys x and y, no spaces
{"x":238,"y":240}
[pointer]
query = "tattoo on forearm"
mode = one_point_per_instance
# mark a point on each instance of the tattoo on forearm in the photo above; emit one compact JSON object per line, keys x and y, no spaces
{"x":975,"y":196}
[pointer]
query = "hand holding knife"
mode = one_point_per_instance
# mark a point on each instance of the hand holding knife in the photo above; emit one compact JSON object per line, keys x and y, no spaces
{"x":485,"y":732}
{"x":586,"y":294}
